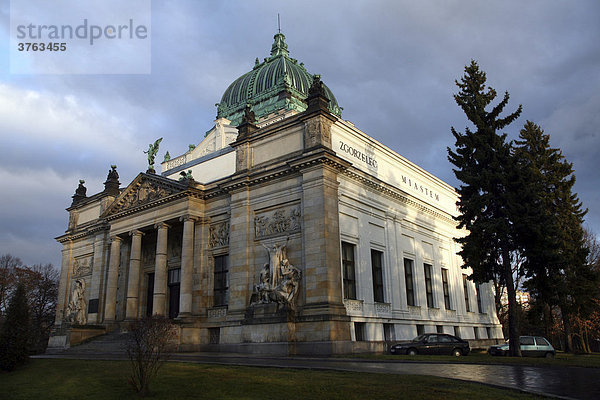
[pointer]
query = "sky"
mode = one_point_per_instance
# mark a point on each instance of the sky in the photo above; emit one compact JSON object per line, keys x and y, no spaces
{"x":392,"y":66}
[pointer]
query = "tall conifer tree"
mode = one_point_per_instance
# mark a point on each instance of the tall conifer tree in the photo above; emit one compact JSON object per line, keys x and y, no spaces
{"x":551,"y":229}
{"x":486,"y":168}
{"x":14,"y":335}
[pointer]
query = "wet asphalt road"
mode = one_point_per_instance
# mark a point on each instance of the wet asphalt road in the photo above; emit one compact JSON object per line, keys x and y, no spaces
{"x":562,"y":382}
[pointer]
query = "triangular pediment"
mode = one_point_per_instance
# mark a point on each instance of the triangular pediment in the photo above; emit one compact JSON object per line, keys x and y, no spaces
{"x":144,"y":190}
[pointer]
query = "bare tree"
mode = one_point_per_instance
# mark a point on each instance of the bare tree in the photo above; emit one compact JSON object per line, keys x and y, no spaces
{"x":8,"y":264}
{"x":42,"y":296}
{"x":593,"y":245}
{"x":41,"y":289}
{"x":150,"y":341}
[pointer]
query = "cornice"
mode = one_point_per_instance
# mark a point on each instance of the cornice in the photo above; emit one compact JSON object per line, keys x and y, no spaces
{"x":101,"y":225}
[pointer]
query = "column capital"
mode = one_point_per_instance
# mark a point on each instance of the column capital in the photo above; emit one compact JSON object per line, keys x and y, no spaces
{"x":116,"y":238}
{"x":161,"y":225}
{"x":185,"y":218}
{"x":136,"y":232}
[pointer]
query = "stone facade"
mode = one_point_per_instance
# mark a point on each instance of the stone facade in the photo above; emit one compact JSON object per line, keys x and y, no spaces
{"x":298,"y":237}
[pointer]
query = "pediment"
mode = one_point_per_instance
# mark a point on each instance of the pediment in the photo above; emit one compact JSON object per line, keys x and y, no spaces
{"x":144,"y":190}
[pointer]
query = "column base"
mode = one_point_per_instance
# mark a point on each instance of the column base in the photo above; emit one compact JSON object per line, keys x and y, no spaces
{"x":184,"y":318}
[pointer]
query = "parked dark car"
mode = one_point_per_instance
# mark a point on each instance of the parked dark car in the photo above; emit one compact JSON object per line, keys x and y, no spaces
{"x":433,"y":343}
{"x":531,"y":346}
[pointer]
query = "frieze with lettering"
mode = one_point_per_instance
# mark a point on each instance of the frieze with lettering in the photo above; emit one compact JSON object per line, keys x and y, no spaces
{"x":360,"y":155}
{"x":420,"y":188}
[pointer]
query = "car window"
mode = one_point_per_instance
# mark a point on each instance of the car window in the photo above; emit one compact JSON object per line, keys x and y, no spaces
{"x":444,"y":339}
{"x":418,"y":338}
{"x":541,"y":341}
{"x":432,"y":339}
{"x":526,"y":341}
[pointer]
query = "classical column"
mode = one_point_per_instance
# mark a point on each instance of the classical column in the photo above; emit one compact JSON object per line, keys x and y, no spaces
{"x":113,"y":277}
{"x":133,"y":287}
{"x":160,"y":270}
{"x":187,"y":266}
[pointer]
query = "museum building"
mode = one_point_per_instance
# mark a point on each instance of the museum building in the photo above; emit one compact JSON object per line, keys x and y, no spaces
{"x":286,"y":230}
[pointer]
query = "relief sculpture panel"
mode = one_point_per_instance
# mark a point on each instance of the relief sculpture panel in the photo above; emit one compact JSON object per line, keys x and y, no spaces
{"x":283,"y":220}
{"x":219,"y":234}
{"x":82,"y":265}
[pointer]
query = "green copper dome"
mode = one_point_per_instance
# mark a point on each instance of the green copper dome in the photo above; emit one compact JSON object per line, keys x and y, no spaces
{"x":278,"y":83}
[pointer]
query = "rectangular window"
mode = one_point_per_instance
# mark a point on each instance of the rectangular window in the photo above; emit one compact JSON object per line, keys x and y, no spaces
{"x":348,"y":267}
{"x":214,"y":335}
{"x":420,"y":329}
{"x":488,"y":330}
{"x":174,"y":284}
{"x":478,"y":299}
{"x":388,"y":332}
{"x":377,"y":268}
{"x":476,"y":330}
{"x":359,"y":331}
{"x":439,"y":328}
{"x":457,"y":331}
{"x":428,"y":285}
{"x":174,"y":276}
{"x":446,"y":288}
{"x":408,"y":277}
{"x":466,"y":290}
{"x":221,"y":283}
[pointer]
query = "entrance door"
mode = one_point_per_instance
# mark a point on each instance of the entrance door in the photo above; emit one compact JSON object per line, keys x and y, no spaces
{"x":150,"y":294}
{"x":174,"y":284}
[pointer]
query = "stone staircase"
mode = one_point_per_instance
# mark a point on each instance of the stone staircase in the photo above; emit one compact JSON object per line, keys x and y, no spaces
{"x":110,"y":343}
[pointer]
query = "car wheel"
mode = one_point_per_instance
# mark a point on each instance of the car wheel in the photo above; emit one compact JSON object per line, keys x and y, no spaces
{"x":456,"y":353}
{"x":411,"y":352}
{"x":549,"y":355}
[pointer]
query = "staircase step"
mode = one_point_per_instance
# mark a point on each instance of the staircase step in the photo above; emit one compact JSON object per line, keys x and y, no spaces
{"x":111,"y":343}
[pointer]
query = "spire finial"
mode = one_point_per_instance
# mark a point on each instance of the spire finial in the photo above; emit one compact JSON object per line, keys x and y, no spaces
{"x":279,"y":45}
{"x":278,"y":24}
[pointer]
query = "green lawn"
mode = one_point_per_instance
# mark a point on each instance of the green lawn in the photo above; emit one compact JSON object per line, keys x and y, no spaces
{"x":81,"y":379}
{"x":561,"y":359}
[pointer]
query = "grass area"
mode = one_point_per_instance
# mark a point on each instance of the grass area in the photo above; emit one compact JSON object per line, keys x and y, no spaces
{"x":561,"y":359}
{"x":77,"y":379}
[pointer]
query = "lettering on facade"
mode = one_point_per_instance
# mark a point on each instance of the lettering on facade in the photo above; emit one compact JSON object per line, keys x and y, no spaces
{"x":219,"y":234}
{"x":367,"y":159}
{"x":285,"y":220}
{"x":176,"y":162}
{"x":420,"y":188}
{"x":82,"y":266}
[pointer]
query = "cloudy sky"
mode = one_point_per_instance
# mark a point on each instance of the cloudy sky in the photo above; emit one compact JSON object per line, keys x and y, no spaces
{"x":391,"y":65}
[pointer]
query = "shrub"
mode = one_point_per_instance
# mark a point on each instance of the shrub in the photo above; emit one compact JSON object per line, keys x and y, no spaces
{"x":148,"y":346}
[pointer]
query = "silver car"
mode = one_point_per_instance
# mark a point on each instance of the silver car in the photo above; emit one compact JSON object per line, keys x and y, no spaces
{"x":531,"y":346}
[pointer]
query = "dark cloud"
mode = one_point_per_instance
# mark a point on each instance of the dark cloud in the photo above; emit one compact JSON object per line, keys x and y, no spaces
{"x":391,"y":65}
